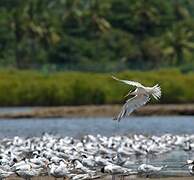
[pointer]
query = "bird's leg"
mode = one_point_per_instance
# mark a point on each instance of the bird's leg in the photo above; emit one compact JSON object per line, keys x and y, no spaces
{"x":113,"y":177}
{"x":122,"y":177}
{"x":129,"y":93}
{"x":147,"y":159}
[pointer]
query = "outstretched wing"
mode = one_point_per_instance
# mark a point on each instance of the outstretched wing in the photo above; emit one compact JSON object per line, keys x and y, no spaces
{"x":132,"y":104}
{"x":133,"y":83}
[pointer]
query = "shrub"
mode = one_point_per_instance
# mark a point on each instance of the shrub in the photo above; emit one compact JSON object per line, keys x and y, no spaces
{"x":31,"y":88}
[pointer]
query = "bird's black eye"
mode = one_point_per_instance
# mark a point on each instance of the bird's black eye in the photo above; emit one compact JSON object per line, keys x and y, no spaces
{"x":1,"y":157}
{"x":44,"y":155}
{"x":15,"y":160}
{"x":73,"y":161}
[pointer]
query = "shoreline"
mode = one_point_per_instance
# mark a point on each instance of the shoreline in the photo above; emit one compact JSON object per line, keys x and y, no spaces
{"x":99,"y":111}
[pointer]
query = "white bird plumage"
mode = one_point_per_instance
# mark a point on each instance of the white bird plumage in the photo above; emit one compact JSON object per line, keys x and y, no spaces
{"x":141,"y":96}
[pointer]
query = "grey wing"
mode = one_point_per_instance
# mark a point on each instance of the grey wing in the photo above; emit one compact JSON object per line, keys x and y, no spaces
{"x":132,"y":104}
{"x":133,"y":83}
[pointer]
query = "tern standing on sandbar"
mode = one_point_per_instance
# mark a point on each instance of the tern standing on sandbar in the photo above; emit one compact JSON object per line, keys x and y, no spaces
{"x":141,"y":96}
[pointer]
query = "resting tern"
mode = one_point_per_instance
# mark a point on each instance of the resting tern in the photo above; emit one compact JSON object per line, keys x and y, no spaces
{"x":58,"y":170}
{"x":116,"y":169}
{"x":5,"y":174}
{"x":148,"y":169}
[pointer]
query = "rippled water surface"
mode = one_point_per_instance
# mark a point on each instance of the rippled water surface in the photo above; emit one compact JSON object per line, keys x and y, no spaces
{"x":105,"y":126}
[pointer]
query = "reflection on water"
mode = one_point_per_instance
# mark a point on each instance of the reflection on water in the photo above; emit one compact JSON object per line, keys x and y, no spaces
{"x":174,"y":161}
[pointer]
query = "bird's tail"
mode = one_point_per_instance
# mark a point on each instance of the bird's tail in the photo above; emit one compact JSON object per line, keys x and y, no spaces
{"x":156,"y":93}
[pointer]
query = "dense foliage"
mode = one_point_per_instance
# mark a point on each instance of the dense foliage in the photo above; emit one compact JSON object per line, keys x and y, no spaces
{"x":94,"y":35}
{"x":75,"y":88}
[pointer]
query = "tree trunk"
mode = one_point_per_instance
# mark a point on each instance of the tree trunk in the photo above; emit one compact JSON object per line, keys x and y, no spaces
{"x":18,"y":38}
{"x":179,"y":56}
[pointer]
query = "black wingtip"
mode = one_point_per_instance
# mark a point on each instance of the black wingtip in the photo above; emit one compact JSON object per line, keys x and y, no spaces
{"x":114,"y":119}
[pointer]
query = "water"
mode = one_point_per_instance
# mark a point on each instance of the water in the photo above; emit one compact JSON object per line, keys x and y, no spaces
{"x":77,"y":127}
{"x":105,"y":126}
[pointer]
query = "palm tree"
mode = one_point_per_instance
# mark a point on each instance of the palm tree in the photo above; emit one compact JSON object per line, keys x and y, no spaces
{"x":33,"y":32}
{"x":178,"y":42}
{"x":95,"y":13}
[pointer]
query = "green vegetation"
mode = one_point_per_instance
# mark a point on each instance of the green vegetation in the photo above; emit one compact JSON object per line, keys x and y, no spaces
{"x":42,"y":39}
{"x":18,"y":88}
{"x":94,"y":35}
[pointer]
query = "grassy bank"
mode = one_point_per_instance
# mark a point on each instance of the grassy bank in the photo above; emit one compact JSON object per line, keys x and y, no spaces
{"x":31,"y":88}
